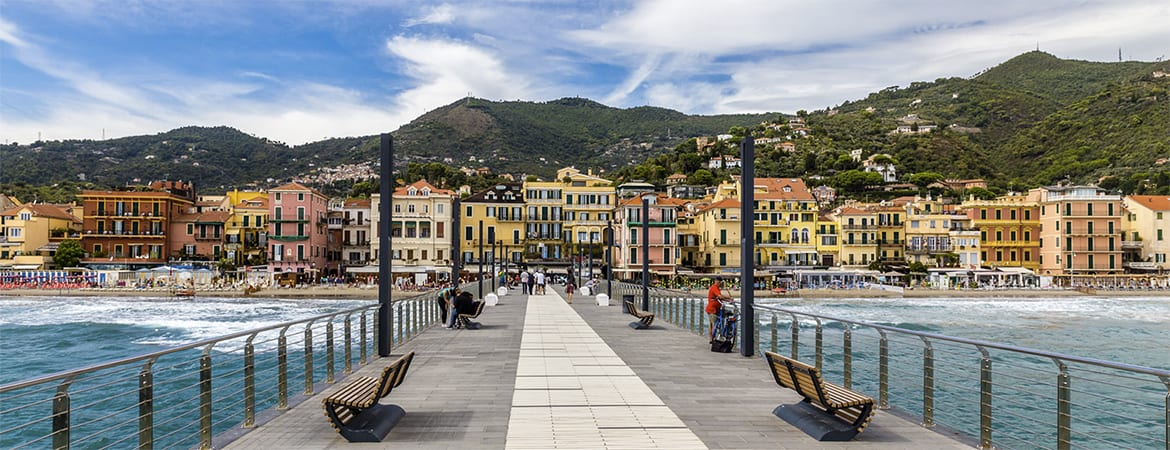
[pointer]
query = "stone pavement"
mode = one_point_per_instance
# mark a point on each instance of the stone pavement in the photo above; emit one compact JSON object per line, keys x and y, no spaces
{"x":545,"y":374}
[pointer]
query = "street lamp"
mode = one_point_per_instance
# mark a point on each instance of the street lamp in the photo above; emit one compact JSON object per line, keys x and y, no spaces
{"x":492,"y":243}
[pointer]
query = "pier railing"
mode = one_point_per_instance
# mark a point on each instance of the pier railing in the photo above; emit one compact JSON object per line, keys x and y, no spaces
{"x":1000,"y":396}
{"x":186,"y":395}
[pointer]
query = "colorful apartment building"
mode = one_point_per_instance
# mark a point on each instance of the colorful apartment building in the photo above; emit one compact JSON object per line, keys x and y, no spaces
{"x":1080,"y":230}
{"x":500,"y":211}
{"x":785,"y":223}
{"x":545,"y":233}
{"x":661,"y":228}
{"x":357,"y":229}
{"x":420,"y":231}
{"x":246,"y":223}
{"x":1146,"y":233}
{"x":31,"y":233}
{"x":938,"y":236}
{"x":1009,"y":230}
{"x":297,"y":230}
{"x":857,"y":232}
{"x":128,"y":229}
{"x":589,"y":203}
{"x":198,"y":236}
{"x":719,"y":242}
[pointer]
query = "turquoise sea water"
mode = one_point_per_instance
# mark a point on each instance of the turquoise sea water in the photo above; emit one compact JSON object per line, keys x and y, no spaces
{"x":57,"y":334}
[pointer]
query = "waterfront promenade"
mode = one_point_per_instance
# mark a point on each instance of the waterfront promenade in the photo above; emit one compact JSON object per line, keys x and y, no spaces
{"x":545,"y":374}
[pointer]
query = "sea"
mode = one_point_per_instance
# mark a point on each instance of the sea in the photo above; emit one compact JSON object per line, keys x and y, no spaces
{"x":45,"y":335}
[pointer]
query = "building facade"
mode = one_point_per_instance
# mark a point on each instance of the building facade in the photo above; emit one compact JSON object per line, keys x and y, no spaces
{"x":297,"y":230}
{"x":128,"y":229}
{"x":1146,"y":233}
{"x":1080,"y":230}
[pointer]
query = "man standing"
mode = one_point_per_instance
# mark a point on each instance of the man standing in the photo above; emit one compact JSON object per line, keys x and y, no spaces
{"x":445,"y":299}
{"x":539,"y":275}
{"x":524,"y":286}
{"x":715,"y":299}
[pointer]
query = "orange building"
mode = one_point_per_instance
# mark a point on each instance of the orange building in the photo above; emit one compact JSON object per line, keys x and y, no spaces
{"x":1009,"y":230}
{"x":1080,"y":230}
{"x":128,"y":229}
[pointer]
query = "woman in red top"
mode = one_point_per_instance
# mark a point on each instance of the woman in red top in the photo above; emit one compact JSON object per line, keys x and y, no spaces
{"x":715,"y":299}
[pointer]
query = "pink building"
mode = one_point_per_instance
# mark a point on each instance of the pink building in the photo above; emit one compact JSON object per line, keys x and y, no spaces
{"x":663,"y":231}
{"x":297,"y":230}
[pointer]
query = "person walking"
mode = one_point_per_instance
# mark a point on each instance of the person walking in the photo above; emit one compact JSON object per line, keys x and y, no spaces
{"x":524,"y":286}
{"x":539,"y":282}
{"x":570,"y":286}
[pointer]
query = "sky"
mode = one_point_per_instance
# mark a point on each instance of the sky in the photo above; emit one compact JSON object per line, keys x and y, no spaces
{"x":299,"y":71}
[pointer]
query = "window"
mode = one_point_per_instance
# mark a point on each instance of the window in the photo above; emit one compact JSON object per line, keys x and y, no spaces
{"x":468,"y":212}
{"x":1159,"y":235}
{"x":25,"y":216}
{"x":300,"y":197}
{"x":1089,"y":209}
{"x":16,"y":232}
{"x":190,"y":229}
{"x":278,"y":196}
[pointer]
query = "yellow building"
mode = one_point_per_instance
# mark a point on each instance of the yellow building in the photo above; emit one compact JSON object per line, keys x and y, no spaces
{"x":247,"y":221}
{"x":785,"y":223}
{"x":588,"y":209}
{"x":500,"y":210}
{"x":719,"y":244}
{"x":857,"y":232}
{"x":828,"y":241}
{"x":1146,"y":233}
{"x":1009,"y":230}
{"x":940,"y":237}
{"x":31,"y":233}
{"x":891,"y":234}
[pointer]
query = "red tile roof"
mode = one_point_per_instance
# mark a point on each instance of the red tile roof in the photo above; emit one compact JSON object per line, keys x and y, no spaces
{"x":1153,"y":202}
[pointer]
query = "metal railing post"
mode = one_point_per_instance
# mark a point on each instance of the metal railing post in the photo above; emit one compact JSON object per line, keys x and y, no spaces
{"x":309,"y":358}
{"x":146,"y":406}
{"x":883,"y":371}
{"x":927,"y":383}
{"x":795,"y":336}
{"x":250,"y":382}
{"x":847,"y":351}
{"x":61,"y":410}
{"x":362,"y":351}
{"x":820,"y":341}
{"x":1063,"y":407}
{"x":984,"y":398}
{"x":329,"y":351}
{"x":774,"y":335}
{"x":348,"y":343}
{"x":205,"y":398}
{"x":282,"y":369}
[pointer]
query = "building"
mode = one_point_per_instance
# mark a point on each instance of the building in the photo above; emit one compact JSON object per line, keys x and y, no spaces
{"x":938,"y":236}
{"x":1146,"y":234}
{"x":719,"y":242}
{"x":198,"y":236}
{"x":420,"y":231}
{"x":1009,"y":230}
{"x":499,"y":210}
{"x":1080,"y":230}
{"x":31,"y":233}
{"x":891,"y":233}
{"x":297,"y":230}
{"x":857,"y":233}
{"x":661,"y":227}
{"x":356,"y":229}
{"x":245,"y":226}
{"x":588,"y":209}
{"x":785,"y":223}
{"x":128,"y":229}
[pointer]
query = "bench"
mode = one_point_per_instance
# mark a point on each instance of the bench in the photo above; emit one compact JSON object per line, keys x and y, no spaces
{"x":828,"y":412}
{"x":464,"y":319}
{"x":644,"y":318}
{"x":354,"y":410}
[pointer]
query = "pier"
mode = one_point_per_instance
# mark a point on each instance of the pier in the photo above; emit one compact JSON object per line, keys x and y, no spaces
{"x":542,"y":373}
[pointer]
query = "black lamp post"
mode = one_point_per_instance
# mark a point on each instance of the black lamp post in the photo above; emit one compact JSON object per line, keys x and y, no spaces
{"x":492,"y":243}
{"x":646,"y":252}
{"x":609,"y":259}
{"x":479,"y":279}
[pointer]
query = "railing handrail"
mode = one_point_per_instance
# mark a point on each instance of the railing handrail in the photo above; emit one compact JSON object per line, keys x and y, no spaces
{"x":120,"y":362}
{"x":981,"y":343}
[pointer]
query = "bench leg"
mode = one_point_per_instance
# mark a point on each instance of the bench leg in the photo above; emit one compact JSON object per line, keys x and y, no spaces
{"x":372,"y":424}
{"x":638,"y":325}
{"x":815,"y":422}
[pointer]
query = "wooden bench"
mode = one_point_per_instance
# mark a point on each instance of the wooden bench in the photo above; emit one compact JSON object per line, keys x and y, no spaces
{"x":354,"y":410}
{"x":644,"y":318}
{"x":464,"y":319}
{"x":828,"y":412}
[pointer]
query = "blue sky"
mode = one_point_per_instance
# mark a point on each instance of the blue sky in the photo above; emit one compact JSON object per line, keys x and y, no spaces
{"x":299,"y":71}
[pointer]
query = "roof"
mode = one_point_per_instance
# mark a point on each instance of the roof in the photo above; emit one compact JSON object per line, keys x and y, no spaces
{"x":260,"y":203}
{"x":1153,"y":202}
{"x":42,"y":210}
{"x":783,"y":189}
{"x":420,"y":185}
{"x":851,"y":211}
{"x":725,"y":203}
{"x":204,"y":217}
{"x":357,"y":203}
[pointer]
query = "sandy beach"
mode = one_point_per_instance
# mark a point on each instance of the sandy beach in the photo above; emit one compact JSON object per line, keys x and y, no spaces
{"x":371,"y":292}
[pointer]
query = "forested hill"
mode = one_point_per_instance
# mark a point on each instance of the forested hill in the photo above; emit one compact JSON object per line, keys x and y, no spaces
{"x":1029,"y":121}
{"x":514,"y":137}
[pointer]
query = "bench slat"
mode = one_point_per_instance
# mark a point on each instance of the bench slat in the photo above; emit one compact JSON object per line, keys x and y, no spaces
{"x":363,"y":392}
{"x":850,"y":406}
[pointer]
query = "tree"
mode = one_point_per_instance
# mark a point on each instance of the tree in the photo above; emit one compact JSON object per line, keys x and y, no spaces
{"x":702,"y":177}
{"x":68,"y":254}
{"x":923,"y":179}
{"x":981,"y":193}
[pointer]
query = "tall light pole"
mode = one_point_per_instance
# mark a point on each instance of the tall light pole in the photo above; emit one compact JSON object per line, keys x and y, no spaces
{"x":609,"y":258}
{"x":492,"y":242}
{"x":385,"y":188}
{"x":646,"y":252}
{"x":479,"y":279}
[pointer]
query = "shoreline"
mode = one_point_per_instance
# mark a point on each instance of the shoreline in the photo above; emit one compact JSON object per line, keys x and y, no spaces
{"x":371,"y":293}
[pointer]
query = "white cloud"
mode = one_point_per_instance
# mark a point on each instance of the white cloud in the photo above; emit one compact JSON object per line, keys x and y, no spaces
{"x":440,"y":14}
{"x":447,"y":70}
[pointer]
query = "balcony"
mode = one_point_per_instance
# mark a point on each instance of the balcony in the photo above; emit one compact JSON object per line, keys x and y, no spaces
{"x":1131,"y":245}
{"x":288,"y":238}
{"x":932,"y":249}
{"x":208,"y":237}
{"x":288,"y":220}
{"x":869,"y":227}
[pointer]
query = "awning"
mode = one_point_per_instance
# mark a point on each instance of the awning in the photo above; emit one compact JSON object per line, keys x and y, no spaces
{"x":26,"y":267}
{"x":362,"y":269}
{"x":800,"y":252}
